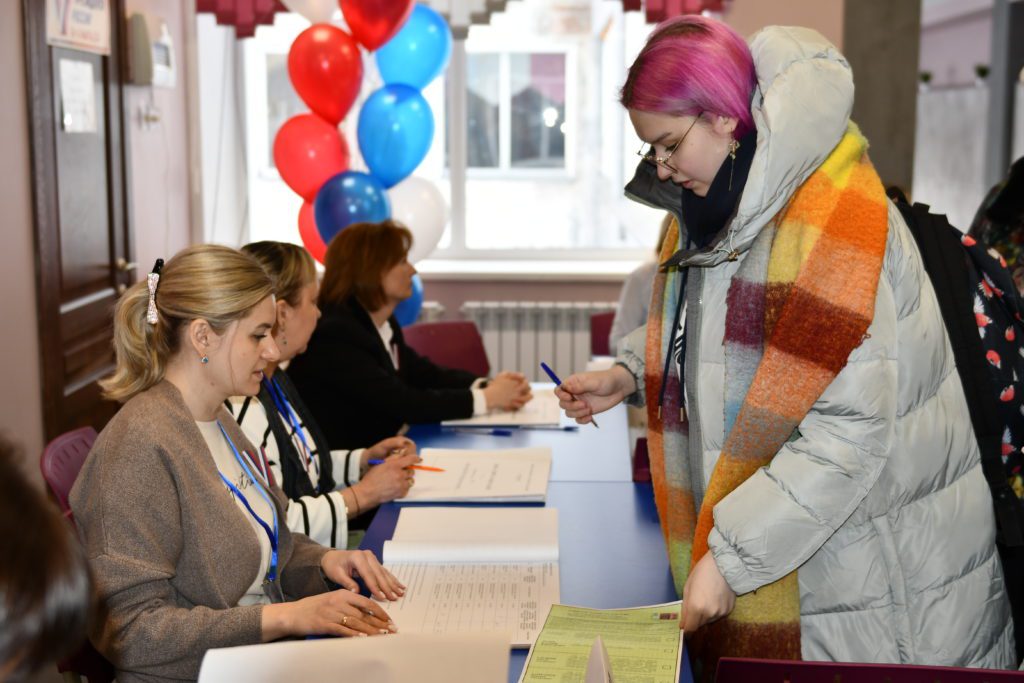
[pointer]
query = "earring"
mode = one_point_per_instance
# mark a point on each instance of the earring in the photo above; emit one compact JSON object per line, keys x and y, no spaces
{"x":284,"y":340}
{"x":204,"y":360}
{"x":733,"y":146}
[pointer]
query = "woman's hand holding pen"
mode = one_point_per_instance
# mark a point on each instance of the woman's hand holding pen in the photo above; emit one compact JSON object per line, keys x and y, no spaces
{"x":387,"y":481}
{"x":340,"y":612}
{"x":507,"y":391}
{"x":594,"y":392}
{"x":335,"y":613}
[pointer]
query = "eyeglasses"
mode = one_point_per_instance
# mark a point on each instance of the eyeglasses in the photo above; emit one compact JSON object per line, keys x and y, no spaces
{"x":649,"y":155}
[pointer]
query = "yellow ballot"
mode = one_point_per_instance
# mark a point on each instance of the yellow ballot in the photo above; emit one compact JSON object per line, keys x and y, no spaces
{"x":644,"y":644}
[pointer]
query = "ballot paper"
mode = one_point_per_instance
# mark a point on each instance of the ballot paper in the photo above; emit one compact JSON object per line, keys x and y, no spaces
{"x":477,"y":570}
{"x":468,"y":657}
{"x":644,"y":644}
{"x":518,"y":475}
{"x":542,"y":409}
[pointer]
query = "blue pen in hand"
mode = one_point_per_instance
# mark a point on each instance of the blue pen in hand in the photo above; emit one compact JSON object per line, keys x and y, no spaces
{"x":554,"y":378}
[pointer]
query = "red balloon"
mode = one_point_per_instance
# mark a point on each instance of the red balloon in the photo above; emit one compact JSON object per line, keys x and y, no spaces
{"x":375,"y":22}
{"x":310,"y":235}
{"x":326,"y":69}
{"x":308,"y":151}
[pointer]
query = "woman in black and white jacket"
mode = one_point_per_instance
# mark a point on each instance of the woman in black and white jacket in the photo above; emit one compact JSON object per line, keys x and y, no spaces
{"x":326,"y":487}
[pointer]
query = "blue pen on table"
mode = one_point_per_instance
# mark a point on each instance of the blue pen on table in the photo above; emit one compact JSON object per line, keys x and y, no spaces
{"x":552,"y":428}
{"x":492,"y":431}
{"x":554,"y":378}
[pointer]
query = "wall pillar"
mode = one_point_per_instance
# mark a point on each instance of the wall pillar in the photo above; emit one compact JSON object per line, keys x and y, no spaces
{"x":881,"y":40}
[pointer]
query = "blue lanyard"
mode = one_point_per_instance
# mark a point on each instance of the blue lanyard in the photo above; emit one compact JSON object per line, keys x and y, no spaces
{"x":272,"y":534}
{"x":285,"y":409}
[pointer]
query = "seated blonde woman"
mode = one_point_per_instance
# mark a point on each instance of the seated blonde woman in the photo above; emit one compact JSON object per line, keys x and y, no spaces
{"x":182,"y":528}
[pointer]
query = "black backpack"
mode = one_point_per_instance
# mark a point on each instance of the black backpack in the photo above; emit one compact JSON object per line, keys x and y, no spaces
{"x":978,"y":298}
{"x":982,"y":311}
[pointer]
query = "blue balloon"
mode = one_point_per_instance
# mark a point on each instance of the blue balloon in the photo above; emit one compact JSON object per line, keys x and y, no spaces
{"x":408,"y":310}
{"x":396,"y":127}
{"x":417,"y":53}
{"x":347,"y":198}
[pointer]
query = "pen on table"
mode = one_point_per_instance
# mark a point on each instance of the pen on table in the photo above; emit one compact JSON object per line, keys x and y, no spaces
{"x":552,"y":428}
{"x":482,"y":431}
{"x":554,"y":378}
{"x":425,"y":468}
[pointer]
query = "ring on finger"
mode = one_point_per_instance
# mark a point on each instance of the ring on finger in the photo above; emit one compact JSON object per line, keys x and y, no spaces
{"x":344,"y":620}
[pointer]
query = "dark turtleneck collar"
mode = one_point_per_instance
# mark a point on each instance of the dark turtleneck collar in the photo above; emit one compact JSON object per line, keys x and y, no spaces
{"x":704,"y":217}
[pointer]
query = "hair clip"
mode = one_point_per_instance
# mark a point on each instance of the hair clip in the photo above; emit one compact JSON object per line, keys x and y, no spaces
{"x":153,"y":280}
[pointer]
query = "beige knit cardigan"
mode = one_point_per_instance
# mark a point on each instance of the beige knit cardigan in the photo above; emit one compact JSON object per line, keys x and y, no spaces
{"x":170,"y":551}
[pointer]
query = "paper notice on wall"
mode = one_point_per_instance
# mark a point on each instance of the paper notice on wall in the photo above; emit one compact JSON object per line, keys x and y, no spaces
{"x":79,"y":24}
{"x":77,"y":96}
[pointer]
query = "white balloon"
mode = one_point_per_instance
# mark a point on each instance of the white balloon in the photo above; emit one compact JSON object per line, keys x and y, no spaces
{"x":419,"y":205}
{"x":316,"y":11}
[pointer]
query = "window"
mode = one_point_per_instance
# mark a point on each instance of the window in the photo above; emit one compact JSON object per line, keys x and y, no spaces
{"x":537,"y":104}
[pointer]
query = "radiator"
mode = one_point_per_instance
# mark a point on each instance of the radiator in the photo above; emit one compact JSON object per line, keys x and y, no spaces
{"x":518,"y":335}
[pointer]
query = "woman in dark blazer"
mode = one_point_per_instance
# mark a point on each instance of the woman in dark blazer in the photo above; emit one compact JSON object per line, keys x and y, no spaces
{"x":360,"y":380}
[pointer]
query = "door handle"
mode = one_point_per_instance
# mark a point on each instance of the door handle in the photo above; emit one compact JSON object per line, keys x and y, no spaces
{"x":124,"y":266}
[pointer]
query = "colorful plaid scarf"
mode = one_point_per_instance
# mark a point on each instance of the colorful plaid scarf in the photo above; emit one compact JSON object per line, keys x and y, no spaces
{"x":800,"y":302}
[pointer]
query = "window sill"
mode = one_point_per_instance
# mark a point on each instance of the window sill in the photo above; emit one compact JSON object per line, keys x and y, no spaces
{"x":550,"y":271}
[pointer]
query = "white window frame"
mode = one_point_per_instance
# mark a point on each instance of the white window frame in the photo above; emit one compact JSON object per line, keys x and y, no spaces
{"x":457,"y":258}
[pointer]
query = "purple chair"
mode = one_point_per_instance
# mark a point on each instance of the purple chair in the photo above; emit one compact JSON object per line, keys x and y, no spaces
{"x":451,"y":344}
{"x":61,"y":461}
{"x":735,"y":670}
{"x":600,"y":328}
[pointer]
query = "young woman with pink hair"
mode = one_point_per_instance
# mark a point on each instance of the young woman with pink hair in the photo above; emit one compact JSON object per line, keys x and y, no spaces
{"x":815,"y":469}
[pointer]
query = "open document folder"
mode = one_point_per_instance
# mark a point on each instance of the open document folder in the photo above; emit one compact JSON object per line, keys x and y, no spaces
{"x":473,"y":658}
{"x":542,"y":409}
{"x":511,"y":475}
{"x":644,"y":645}
{"x":476,"y":570}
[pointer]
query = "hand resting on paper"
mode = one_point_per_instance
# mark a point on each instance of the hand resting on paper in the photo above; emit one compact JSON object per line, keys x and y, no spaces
{"x":336,"y":613}
{"x":594,"y":392}
{"x":341,"y":566}
{"x":706,"y":595}
{"x":507,"y":391}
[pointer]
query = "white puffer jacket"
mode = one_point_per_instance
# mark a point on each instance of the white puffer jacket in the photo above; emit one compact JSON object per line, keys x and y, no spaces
{"x":880,"y":503}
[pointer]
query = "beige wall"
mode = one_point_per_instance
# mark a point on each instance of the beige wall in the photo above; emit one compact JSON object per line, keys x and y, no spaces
{"x":21,"y":417}
{"x":158,"y":164}
{"x":825,"y":16}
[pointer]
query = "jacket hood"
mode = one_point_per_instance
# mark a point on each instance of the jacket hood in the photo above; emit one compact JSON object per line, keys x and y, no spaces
{"x":801,"y":108}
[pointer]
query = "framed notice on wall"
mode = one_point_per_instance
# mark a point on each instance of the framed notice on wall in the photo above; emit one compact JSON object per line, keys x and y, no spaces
{"x":79,"y":24}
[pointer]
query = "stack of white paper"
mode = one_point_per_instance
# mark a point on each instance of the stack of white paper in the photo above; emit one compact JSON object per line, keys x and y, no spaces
{"x":479,"y":570}
{"x":474,"y":658}
{"x":517,"y":475}
{"x":541,"y":410}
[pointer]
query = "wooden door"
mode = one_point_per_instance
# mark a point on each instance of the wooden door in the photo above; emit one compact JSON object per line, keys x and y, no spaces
{"x":83,"y":251}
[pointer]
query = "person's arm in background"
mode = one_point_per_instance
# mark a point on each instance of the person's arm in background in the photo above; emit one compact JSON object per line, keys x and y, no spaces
{"x":634,"y":301}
